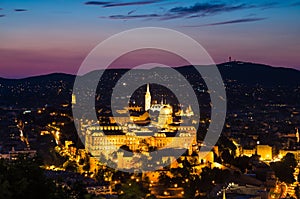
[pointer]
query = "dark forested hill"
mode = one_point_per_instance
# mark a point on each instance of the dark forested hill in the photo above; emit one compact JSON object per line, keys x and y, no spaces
{"x":55,"y":89}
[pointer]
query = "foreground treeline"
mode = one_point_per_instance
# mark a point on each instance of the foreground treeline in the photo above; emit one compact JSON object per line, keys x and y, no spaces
{"x":23,"y":178}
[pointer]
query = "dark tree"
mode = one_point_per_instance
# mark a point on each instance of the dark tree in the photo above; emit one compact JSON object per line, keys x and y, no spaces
{"x":71,"y":166}
{"x":132,"y":190}
{"x":227,"y":157}
{"x":289,"y":160}
{"x":242,"y":163}
{"x":285,"y":169}
{"x":23,"y":178}
{"x":164,"y":179}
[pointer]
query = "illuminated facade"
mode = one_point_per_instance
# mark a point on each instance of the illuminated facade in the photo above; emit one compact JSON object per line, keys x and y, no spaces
{"x":265,"y":152}
{"x":248,"y":152}
{"x":14,"y":155}
{"x":96,"y":142}
{"x":296,"y":153}
{"x":139,"y":134}
{"x":73,"y":99}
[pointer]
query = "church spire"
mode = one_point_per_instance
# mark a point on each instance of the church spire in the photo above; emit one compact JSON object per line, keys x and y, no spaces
{"x":147,"y":98}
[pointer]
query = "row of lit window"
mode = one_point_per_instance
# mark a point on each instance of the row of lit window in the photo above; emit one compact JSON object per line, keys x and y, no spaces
{"x":101,"y":128}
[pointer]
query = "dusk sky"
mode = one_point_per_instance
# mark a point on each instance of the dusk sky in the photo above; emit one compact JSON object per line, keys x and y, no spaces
{"x":40,"y":37}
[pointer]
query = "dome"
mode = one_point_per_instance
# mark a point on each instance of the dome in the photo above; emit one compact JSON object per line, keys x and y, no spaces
{"x":166,"y":110}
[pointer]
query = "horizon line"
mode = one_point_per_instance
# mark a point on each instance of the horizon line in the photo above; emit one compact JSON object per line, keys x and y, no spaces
{"x":65,"y":73}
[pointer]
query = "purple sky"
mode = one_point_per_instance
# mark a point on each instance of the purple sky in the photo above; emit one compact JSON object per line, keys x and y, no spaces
{"x":40,"y":37}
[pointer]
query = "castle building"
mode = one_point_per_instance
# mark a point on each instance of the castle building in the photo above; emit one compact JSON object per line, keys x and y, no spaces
{"x":139,"y":133}
{"x":97,"y":142}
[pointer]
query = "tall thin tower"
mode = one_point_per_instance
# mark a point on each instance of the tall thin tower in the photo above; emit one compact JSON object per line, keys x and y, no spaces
{"x":73,"y":99}
{"x":224,"y":194}
{"x":147,"y":99}
{"x":297,"y":135}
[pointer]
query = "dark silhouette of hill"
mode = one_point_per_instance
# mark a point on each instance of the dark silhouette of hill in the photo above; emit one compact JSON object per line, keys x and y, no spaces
{"x":51,"y":89}
{"x":252,"y":73}
{"x":244,"y":72}
{"x":56,"y":88}
{"x":52,"y":76}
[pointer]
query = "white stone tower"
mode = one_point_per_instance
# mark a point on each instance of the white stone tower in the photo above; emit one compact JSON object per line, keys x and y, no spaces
{"x":147,"y":99}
